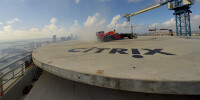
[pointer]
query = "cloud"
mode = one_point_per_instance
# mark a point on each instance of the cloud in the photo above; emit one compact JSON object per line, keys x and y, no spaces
{"x":169,"y":24}
{"x":7,"y":28}
{"x":74,"y":28}
{"x":13,"y":21}
{"x":195,"y":22}
{"x":94,"y":20}
{"x":134,"y":0}
{"x":88,"y":33}
{"x":53,"y":20}
{"x":124,"y":24}
{"x":33,"y":33}
{"x":154,"y":25}
{"x":77,"y":1}
{"x":91,"y":20}
{"x":1,"y":23}
{"x":48,"y":30}
{"x":114,"y":21}
{"x":33,"y":30}
{"x":101,"y":22}
{"x":94,"y":23}
{"x":52,"y":26}
{"x":76,"y":24}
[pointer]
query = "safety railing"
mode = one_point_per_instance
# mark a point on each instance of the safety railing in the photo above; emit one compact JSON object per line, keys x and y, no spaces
{"x":8,"y":78}
{"x":1,"y":52}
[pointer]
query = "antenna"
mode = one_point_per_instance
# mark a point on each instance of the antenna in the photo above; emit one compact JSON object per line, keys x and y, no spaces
{"x":131,"y":28}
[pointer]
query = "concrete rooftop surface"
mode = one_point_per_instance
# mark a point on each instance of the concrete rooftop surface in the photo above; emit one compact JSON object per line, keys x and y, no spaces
{"x":163,"y":65}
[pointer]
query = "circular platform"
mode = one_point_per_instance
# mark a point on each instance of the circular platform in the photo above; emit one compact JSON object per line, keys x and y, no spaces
{"x":164,"y":65}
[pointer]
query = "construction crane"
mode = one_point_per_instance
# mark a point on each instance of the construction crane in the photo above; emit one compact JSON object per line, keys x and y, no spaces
{"x":181,"y":11}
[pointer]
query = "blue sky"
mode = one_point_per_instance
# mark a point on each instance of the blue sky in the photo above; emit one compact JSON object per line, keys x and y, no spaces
{"x":25,"y":15}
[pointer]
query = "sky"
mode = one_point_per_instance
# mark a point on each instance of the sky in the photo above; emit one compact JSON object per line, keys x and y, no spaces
{"x":32,"y":19}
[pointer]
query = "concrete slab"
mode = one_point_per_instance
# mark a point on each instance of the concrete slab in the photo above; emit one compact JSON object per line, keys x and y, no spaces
{"x":164,"y":65}
{"x":52,"y":87}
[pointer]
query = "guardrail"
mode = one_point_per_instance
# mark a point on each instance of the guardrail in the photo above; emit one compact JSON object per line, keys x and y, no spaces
{"x":13,"y":63}
{"x":1,"y":52}
{"x":10,"y":77}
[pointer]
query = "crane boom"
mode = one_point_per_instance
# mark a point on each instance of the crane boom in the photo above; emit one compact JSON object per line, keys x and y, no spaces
{"x":146,"y":9}
{"x":181,"y":11}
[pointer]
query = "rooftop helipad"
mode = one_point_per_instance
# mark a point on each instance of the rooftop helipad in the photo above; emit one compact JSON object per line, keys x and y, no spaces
{"x":165,"y":65}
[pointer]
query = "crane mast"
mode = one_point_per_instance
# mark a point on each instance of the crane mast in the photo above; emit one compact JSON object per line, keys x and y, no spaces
{"x":181,"y":11}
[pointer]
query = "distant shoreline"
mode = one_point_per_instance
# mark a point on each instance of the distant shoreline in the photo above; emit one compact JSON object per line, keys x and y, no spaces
{"x":9,"y":43}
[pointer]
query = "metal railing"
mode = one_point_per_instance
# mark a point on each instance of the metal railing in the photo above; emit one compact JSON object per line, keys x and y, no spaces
{"x":1,"y":52}
{"x":10,"y":77}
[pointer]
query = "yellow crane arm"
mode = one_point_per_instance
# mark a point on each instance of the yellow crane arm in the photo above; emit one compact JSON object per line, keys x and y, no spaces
{"x":144,"y":10}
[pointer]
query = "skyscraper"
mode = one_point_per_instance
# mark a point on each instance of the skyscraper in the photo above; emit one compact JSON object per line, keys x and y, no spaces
{"x":54,"y":38}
